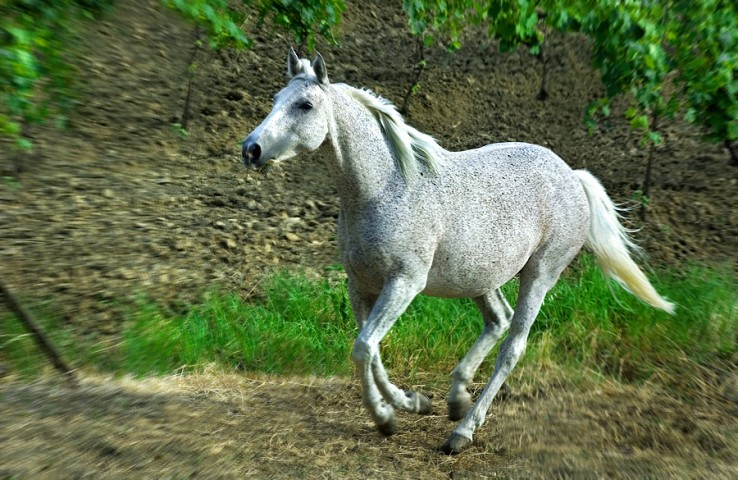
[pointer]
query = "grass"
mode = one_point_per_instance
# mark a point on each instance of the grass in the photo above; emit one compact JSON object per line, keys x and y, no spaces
{"x":306,"y":326}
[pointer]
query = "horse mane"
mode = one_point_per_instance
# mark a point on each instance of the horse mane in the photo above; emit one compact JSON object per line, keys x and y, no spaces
{"x":412,"y":147}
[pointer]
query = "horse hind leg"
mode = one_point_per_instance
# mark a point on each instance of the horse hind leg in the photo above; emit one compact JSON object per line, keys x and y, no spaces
{"x":535,"y":281}
{"x":496,"y":313}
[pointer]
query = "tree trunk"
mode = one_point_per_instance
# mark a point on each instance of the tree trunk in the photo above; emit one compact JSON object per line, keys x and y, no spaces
{"x":646,"y":187}
{"x":543,"y":59}
{"x":418,"y":71}
{"x":38,"y":336}
{"x":190,"y":79}
{"x":733,"y":151}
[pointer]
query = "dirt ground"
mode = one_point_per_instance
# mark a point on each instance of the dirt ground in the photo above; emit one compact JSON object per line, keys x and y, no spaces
{"x":120,"y":204}
{"x":221,"y":426}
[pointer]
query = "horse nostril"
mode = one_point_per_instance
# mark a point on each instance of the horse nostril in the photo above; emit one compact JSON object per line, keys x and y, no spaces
{"x":250,"y":153}
{"x":254,"y":151}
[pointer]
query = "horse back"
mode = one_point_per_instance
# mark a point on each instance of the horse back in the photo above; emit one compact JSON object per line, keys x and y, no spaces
{"x":500,"y":205}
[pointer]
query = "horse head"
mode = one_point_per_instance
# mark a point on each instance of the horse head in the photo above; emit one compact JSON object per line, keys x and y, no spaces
{"x":299,"y":118}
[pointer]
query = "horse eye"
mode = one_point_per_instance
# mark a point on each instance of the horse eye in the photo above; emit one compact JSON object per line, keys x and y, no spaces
{"x":305,"y":106}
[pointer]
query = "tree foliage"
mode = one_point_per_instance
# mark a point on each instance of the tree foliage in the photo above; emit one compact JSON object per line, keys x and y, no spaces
{"x":220,"y":22}
{"x":303,"y":19}
{"x":672,"y":57}
{"x":35,"y":76}
{"x":37,"y":81}
{"x":512,"y":22}
{"x":446,"y":19}
{"x":669,"y":56}
{"x":704,"y":39}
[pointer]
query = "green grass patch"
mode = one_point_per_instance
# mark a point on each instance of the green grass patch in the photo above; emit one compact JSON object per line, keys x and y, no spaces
{"x":303,"y":326}
{"x":588,"y":322}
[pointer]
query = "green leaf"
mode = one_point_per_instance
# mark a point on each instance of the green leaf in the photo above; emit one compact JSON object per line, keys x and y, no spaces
{"x":531,"y":22}
{"x":639,"y":122}
{"x":655,"y":138}
{"x":732,"y":130}
{"x":24,"y":144}
{"x":690,"y":115}
{"x":9,"y":127}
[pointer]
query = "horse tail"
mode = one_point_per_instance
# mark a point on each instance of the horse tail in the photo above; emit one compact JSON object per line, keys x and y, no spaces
{"x":609,"y":241}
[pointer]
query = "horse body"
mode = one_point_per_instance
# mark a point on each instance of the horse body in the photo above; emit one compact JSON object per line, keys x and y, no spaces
{"x":416,"y":218}
{"x":459,"y":225}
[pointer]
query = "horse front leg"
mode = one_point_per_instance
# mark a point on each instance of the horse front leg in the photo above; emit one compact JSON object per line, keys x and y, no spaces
{"x":379,"y":395}
{"x":381,"y":412}
{"x":361,"y":303}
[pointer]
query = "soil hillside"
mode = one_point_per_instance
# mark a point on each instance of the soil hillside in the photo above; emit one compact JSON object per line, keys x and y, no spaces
{"x":120,"y":203}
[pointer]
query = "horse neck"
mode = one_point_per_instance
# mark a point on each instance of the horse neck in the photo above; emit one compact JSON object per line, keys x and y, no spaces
{"x":364,"y":168}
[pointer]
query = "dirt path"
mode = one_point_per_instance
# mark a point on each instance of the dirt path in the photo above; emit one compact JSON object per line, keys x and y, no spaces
{"x":259,"y":427}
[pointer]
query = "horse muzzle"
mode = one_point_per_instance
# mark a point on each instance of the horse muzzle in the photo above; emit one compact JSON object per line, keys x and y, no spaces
{"x":251,"y":154}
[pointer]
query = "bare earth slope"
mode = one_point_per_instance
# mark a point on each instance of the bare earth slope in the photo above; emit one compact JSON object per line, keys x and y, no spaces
{"x":119,"y":203}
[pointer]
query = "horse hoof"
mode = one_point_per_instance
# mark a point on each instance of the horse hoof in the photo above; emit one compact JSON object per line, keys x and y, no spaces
{"x":388,"y":428}
{"x":455,"y":444}
{"x":422,"y":403}
{"x":458,"y":409}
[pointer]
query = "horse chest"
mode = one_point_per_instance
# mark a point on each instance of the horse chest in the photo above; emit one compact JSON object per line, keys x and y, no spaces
{"x":375,"y":248}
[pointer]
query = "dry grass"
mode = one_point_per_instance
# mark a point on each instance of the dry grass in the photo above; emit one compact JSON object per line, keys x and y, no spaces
{"x":232,"y":426}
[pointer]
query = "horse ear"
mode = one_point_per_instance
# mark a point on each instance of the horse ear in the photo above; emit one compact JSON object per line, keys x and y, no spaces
{"x":294,"y":66}
{"x":320,"y":71}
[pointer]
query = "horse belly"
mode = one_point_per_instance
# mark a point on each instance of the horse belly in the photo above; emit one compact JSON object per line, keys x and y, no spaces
{"x":475,"y":272}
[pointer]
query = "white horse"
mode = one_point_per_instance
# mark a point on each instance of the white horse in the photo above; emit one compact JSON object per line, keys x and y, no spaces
{"x":416,"y":218}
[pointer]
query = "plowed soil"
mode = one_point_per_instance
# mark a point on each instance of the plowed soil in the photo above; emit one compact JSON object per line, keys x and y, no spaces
{"x":121,"y":204}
